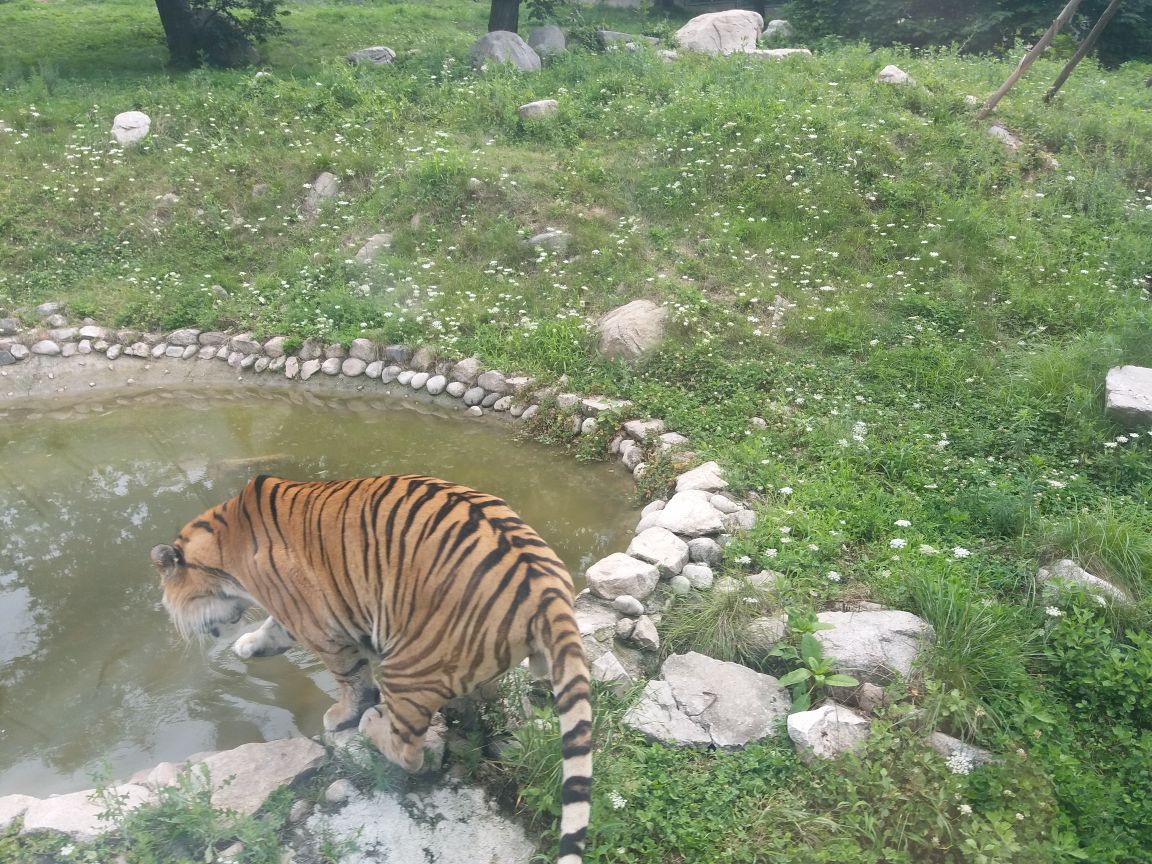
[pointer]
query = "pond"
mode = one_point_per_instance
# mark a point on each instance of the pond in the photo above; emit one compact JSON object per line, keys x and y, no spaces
{"x":92,"y":674}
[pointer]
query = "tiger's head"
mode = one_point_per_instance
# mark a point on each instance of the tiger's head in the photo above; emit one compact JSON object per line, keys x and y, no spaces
{"x":200,"y":593}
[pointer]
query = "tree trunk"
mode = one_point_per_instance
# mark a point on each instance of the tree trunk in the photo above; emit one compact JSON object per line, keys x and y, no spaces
{"x":180,"y":33}
{"x":1082,"y":51}
{"x":505,"y":15}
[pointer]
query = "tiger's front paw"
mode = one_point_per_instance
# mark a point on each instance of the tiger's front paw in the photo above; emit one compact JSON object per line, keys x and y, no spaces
{"x":247,"y":646}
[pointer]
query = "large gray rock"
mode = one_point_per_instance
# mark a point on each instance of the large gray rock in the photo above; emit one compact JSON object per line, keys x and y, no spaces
{"x":78,"y":814}
{"x":705,"y":702}
{"x":689,"y":514}
{"x":377,"y":55}
{"x":243,"y":778}
{"x":778,"y":28}
{"x":875,"y":646}
{"x":373,"y":246}
{"x":707,"y":476}
{"x":1069,"y":573}
{"x":541,"y":109}
{"x":827,"y":732}
{"x":895,"y":75}
{"x":130,"y":127}
{"x":504,"y":46}
{"x":622,"y":574}
{"x":548,"y":41}
{"x":1128,"y":394}
{"x":632,"y":330}
{"x":325,"y":186}
{"x":661,"y":547}
{"x":715,"y":33}
{"x":467,"y":371}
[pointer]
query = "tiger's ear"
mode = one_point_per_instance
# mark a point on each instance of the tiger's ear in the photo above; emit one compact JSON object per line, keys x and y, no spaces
{"x":167,"y":559}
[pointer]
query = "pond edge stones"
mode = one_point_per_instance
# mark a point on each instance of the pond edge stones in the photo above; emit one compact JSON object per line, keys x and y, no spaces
{"x":678,"y":544}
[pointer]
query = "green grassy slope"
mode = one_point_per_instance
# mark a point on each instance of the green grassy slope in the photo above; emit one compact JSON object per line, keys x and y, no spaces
{"x":953,"y":307}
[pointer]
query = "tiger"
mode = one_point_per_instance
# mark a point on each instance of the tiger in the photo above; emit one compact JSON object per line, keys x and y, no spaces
{"x":410,"y":589}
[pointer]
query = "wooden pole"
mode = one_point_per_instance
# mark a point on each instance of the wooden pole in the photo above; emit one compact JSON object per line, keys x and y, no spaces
{"x":1061,"y":20}
{"x":1082,"y":51}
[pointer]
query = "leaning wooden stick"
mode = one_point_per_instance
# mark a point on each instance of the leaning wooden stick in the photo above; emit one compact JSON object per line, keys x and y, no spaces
{"x":1044,"y":41}
{"x":1082,"y":51}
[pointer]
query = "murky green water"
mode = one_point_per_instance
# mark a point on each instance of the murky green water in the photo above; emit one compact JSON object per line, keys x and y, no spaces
{"x":91,"y":671}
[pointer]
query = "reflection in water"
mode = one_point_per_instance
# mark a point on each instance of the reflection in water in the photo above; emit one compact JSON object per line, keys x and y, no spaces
{"x":90,"y":669}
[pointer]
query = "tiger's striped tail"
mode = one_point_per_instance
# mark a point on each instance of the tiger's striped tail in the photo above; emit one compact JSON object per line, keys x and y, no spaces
{"x":570,"y":686}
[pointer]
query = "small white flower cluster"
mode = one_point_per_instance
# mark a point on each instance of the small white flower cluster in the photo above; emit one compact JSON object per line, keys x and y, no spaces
{"x":1053,"y":612}
{"x":833,"y":576}
{"x":960,"y":762}
{"x":618,"y":801}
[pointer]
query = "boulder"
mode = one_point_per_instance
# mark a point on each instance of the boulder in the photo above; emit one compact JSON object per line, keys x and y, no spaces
{"x":377,"y":55}
{"x":131,"y":127}
{"x":1128,"y":394}
{"x":550,"y":239}
{"x":827,"y":732}
{"x":324,"y":187}
{"x":661,"y":547}
{"x":372,"y":247}
{"x":638,"y":430}
{"x":689,"y":514}
{"x":645,"y":635}
{"x":705,"y":550}
{"x":953,"y":749}
{"x":875,"y":646}
{"x":707,"y":476}
{"x":778,"y":28}
{"x":548,"y":41}
{"x":1069,"y":573}
{"x":503,"y":46}
{"x":715,"y":33}
{"x":704,"y":702}
{"x":608,"y":668}
{"x":622,"y":574}
{"x":895,"y":75}
{"x":467,"y":371}
{"x":631,"y":331}
{"x":539,"y":110}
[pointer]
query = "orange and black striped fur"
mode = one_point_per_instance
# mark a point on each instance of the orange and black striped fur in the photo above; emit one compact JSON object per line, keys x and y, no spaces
{"x":412,"y":590}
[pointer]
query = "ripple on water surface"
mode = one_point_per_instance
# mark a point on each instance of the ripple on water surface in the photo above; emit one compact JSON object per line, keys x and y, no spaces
{"x":91,"y":671}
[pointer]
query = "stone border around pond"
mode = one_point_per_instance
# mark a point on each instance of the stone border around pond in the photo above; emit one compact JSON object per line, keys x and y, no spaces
{"x":677,"y":548}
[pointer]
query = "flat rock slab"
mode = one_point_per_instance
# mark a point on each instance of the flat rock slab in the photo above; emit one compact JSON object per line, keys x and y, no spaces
{"x":244,"y":777}
{"x":708,"y":477}
{"x":689,"y":514}
{"x":439,"y":826}
{"x":12,"y":807}
{"x":1128,"y":394}
{"x":78,"y":814}
{"x":661,"y":547}
{"x":875,"y":646}
{"x":702,"y":702}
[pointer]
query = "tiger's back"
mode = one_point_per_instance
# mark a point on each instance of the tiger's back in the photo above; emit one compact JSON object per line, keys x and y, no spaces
{"x":438,"y":586}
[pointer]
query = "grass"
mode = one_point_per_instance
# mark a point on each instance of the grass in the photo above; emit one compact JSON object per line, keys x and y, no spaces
{"x":931,"y":403}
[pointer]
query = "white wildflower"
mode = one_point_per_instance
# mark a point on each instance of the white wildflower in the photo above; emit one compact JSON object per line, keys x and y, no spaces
{"x":902,"y":523}
{"x":833,"y":576}
{"x":965,"y":809}
{"x":1053,"y":612}
{"x":925,"y":549}
{"x":960,"y":552}
{"x":897,"y":543}
{"x":619,"y":802}
{"x":960,"y":762}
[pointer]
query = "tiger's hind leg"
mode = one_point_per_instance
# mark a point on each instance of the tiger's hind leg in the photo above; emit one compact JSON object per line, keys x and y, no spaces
{"x":397,"y":725}
{"x":358,"y":690}
{"x":268,"y":640}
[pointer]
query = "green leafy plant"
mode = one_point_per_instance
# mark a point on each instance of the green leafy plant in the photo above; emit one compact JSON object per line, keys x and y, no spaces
{"x":817,"y":673}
